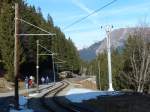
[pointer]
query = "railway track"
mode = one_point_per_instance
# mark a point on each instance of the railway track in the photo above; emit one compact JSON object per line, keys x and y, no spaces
{"x":52,"y":102}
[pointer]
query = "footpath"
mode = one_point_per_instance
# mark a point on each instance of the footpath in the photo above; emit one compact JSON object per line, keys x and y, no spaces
{"x":24,"y":91}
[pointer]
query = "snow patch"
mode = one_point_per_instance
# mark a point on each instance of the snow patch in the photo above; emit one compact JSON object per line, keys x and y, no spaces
{"x":22,"y":100}
{"x":9,"y":88}
{"x":26,"y":110}
{"x":33,"y":94}
{"x":79,"y":94}
{"x":22,"y":105}
{"x":78,"y":91}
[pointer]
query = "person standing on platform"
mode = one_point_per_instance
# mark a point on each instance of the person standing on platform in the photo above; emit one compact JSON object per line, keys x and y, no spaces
{"x":43,"y":80}
{"x":30,"y":82}
{"x":26,"y":82}
{"x":47,"y":80}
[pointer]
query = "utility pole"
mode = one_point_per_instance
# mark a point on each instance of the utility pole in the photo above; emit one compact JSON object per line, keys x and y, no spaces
{"x":108,"y":29}
{"x":16,"y":56}
{"x":53,"y":68}
{"x":37,"y":61}
{"x":57,"y":68}
{"x":72,"y":69}
{"x":99,"y":82}
{"x":37,"y":64}
{"x":81,"y":70}
{"x":91,"y":70}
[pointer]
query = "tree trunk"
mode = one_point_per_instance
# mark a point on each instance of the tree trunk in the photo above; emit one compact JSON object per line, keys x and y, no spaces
{"x":149,"y":89}
{"x":140,"y":88}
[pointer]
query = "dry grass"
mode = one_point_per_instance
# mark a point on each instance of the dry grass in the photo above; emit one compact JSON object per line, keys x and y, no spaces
{"x":6,"y":86}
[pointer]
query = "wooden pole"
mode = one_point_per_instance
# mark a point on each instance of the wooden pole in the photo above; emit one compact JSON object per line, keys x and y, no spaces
{"x":16,"y":57}
{"x":99,"y":72}
{"x":37,"y":65}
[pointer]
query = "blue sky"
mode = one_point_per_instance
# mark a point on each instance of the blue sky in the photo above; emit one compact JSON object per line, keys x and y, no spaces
{"x":122,"y":13}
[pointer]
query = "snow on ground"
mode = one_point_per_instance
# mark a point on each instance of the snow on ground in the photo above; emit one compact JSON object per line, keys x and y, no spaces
{"x":79,"y":94}
{"x":22,"y":103}
{"x":22,"y":100}
{"x":33,"y":94}
{"x":25,"y":110}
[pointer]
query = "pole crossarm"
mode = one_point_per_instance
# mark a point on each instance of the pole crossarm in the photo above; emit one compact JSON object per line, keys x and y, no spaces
{"x":35,"y":34}
{"x":59,"y":62}
{"x":62,"y":61}
{"x":59,"y":66}
{"x":44,"y":54}
{"x":35,"y":26}
{"x":47,"y":50}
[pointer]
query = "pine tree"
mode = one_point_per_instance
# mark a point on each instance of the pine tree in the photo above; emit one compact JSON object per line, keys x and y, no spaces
{"x":58,"y":44}
{"x":7,"y":38}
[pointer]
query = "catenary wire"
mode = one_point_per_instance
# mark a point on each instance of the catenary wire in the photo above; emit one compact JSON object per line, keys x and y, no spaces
{"x":79,"y":20}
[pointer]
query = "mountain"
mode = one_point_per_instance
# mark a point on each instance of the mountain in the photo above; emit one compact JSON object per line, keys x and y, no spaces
{"x":118,"y":38}
{"x":89,"y":53}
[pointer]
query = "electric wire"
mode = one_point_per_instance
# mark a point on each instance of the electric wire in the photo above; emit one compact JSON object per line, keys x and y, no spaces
{"x":79,"y":20}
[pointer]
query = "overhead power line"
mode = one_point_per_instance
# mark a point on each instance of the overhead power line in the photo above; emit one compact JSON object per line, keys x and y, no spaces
{"x":79,"y":20}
